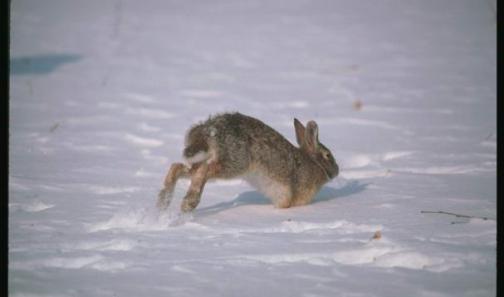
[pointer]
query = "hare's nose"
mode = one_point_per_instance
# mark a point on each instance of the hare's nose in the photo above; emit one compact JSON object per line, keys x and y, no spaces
{"x":336,"y":169}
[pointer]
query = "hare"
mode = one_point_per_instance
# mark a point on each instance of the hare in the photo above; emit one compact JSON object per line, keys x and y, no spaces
{"x":234,"y":145}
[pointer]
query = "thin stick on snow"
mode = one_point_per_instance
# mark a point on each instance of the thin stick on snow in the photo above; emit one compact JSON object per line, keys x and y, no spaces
{"x":456,"y":214}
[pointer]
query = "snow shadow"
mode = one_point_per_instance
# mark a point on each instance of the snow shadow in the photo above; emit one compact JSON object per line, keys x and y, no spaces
{"x":349,"y":188}
{"x":245,"y":198}
{"x":40,"y":64}
{"x":256,"y":198}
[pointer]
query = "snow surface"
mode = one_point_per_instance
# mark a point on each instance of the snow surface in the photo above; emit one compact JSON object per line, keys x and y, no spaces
{"x":102,"y":92}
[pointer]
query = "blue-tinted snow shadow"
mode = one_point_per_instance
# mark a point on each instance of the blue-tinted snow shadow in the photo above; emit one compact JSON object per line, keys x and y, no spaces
{"x":40,"y":64}
{"x":256,"y":198}
{"x":349,"y":188}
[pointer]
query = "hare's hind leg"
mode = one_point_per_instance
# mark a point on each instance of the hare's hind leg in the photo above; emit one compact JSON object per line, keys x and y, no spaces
{"x":176,"y":171}
{"x":198,"y":179}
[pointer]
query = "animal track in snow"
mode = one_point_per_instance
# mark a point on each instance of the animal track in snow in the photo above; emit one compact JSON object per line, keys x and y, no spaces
{"x":96,"y":262}
{"x":16,"y":184}
{"x":489,"y":143}
{"x":380,"y":109}
{"x":147,"y":155}
{"x":110,"y":245}
{"x":71,"y":263}
{"x":142,"y":98}
{"x":361,"y":174}
{"x":358,"y":161}
{"x":294,"y":227}
{"x":444,"y":170}
{"x":102,"y":190}
{"x":203,"y":94}
{"x":149,"y":113}
{"x":89,"y":120}
{"x":96,"y":148}
{"x":34,"y":206}
{"x":381,"y":254}
{"x":395,"y":155}
{"x":110,"y":266}
{"x":138,"y":220}
{"x":359,"y":166}
{"x":342,"y":226}
{"x":143,"y":141}
{"x":147,"y":128}
{"x":372,"y":123}
{"x":363,"y":123}
{"x":109,"y":105}
{"x":142,"y":173}
{"x":291,"y":104}
{"x":363,"y":160}
{"x":378,"y":253}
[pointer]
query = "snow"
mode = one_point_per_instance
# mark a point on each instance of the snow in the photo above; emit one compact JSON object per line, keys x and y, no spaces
{"x":102,"y":93}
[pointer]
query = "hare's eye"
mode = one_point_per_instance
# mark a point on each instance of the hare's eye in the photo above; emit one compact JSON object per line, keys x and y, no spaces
{"x":325,"y":155}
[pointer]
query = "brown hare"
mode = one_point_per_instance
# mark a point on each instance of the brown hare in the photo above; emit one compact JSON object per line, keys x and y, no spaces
{"x":234,"y":145}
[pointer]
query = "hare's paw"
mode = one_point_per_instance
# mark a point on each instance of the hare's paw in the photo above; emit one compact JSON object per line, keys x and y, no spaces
{"x":164,"y":199}
{"x":190,"y":202}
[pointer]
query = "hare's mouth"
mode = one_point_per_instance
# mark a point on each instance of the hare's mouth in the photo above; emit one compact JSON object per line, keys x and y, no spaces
{"x":331,"y":174}
{"x":329,"y":171}
{"x":335,"y":172}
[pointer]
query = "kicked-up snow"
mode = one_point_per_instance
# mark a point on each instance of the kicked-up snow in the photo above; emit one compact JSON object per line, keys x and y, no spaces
{"x":102,"y":93}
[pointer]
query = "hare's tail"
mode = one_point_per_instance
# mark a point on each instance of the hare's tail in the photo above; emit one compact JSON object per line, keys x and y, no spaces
{"x":197,"y":158}
{"x":196,"y":153}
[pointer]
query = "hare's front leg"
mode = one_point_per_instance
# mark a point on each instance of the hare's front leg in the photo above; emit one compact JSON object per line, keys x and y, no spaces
{"x":198,"y":179}
{"x":176,"y":171}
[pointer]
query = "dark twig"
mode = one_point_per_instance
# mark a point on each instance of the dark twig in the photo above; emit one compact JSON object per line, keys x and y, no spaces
{"x":54,"y":127}
{"x":490,"y":135}
{"x":456,"y":214}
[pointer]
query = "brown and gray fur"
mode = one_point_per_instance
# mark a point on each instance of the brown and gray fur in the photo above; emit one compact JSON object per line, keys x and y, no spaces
{"x":233,"y":145}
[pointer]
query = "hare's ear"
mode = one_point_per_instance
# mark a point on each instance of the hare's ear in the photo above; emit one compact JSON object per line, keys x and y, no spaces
{"x":300,"y":132}
{"x":311,"y":137}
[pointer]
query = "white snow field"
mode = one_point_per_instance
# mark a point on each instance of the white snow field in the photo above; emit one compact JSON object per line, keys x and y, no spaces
{"x":102,"y":93}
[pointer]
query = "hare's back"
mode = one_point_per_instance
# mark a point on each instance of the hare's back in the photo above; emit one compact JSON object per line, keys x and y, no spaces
{"x":239,"y":144}
{"x":236,"y":126}
{"x":264,"y":146}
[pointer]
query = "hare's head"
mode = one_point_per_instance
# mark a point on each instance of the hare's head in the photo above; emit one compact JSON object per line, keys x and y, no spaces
{"x":307,"y":138}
